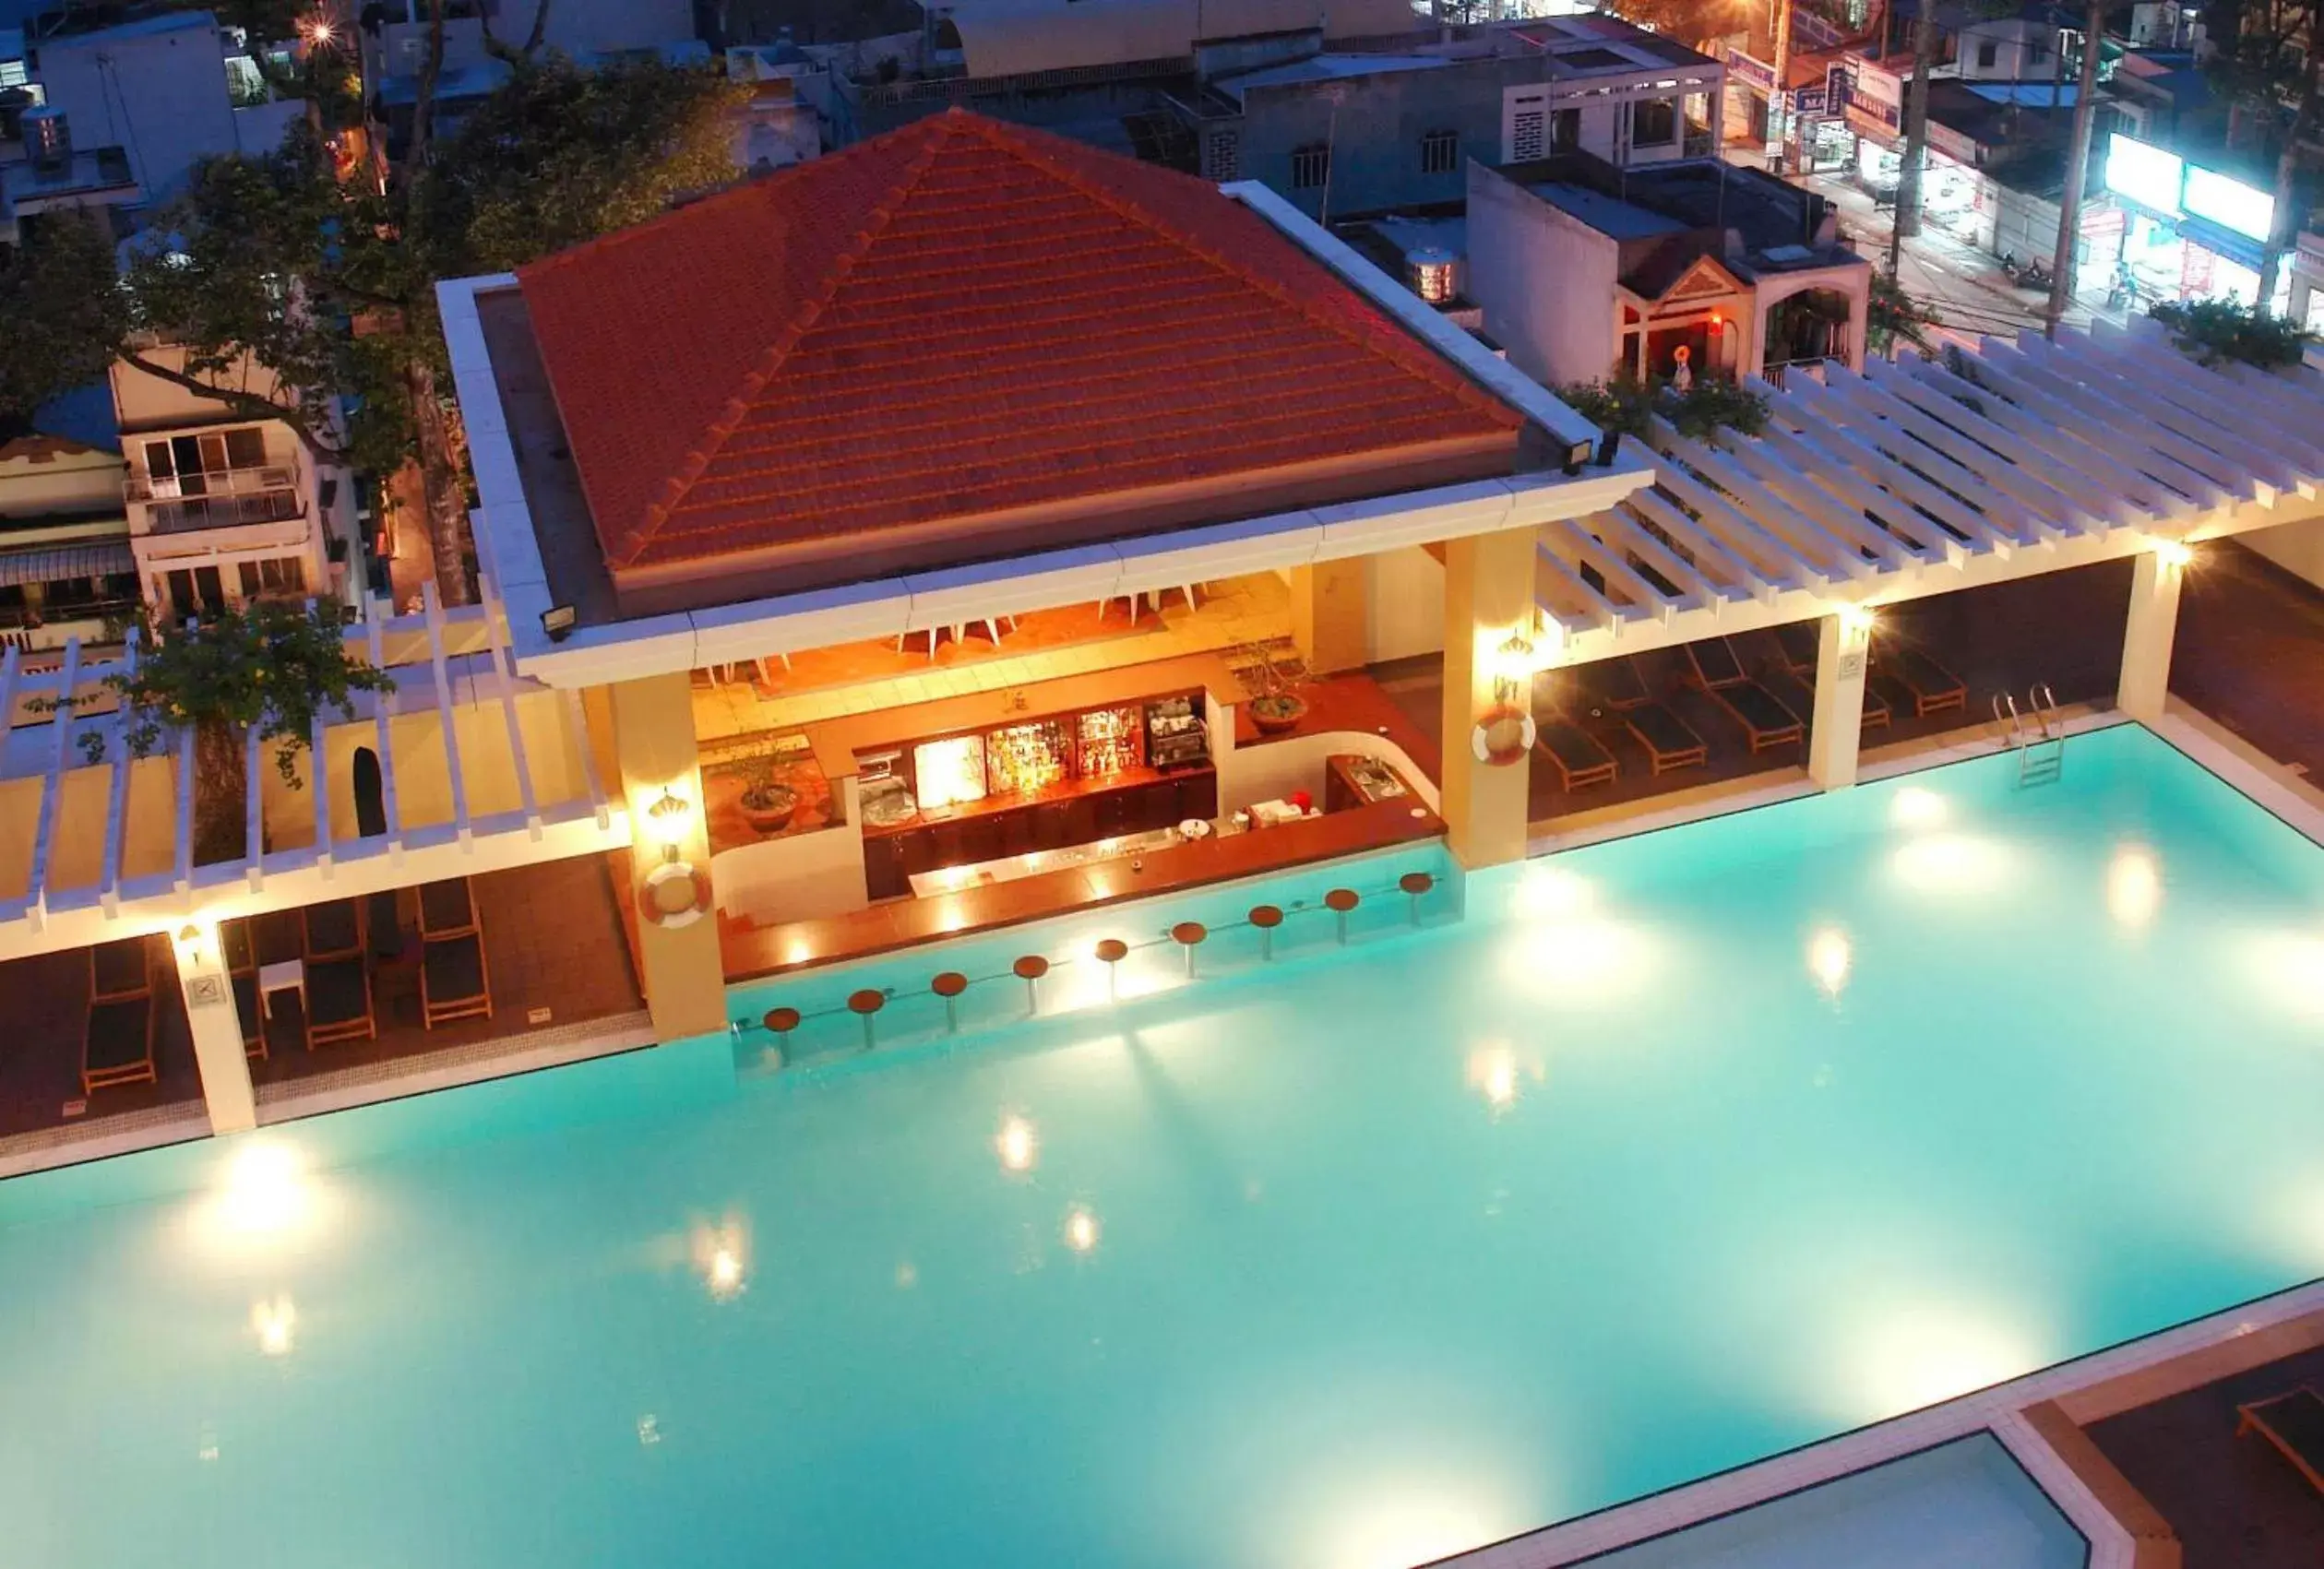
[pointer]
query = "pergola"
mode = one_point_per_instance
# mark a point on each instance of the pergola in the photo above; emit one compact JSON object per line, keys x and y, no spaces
{"x":1921,"y":477}
{"x":480,"y":768}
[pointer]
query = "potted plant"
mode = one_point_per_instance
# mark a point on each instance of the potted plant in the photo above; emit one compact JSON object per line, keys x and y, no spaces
{"x":1275,"y":708}
{"x":766,"y":803}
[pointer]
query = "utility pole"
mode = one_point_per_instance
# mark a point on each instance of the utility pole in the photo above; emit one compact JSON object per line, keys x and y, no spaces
{"x":1778,"y":97}
{"x":2069,"y":211}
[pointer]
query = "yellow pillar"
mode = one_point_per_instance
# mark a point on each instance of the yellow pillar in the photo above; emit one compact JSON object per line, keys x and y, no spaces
{"x":654,"y":734}
{"x":2153,"y":623}
{"x":1841,"y":645}
{"x":1488,"y":595}
{"x":1329,"y":624}
{"x":216,"y":1026}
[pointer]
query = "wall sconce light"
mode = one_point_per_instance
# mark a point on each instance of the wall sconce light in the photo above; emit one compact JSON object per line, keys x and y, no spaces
{"x":189,"y":939}
{"x":1857,"y":621}
{"x":668,"y":816}
{"x":2174,"y":553}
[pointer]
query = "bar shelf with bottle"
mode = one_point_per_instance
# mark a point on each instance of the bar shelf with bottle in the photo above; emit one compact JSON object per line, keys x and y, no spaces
{"x":1040,"y":783}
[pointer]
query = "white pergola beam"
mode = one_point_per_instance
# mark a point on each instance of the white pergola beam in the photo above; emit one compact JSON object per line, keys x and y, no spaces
{"x":444,"y":712}
{"x":1826,"y":554}
{"x":1627,"y":536}
{"x":52,"y":791}
{"x":1892,"y":512}
{"x":2237,"y":465}
{"x":2277,"y":417}
{"x":2053,"y":511}
{"x":576,"y":726}
{"x":496,"y":613}
{"x":1901,"y":433}
{"x":254,"y":845}
{"x":1572,"y":539}
{"x":1665,"y":514}
{"x":1840,"y":515}
{"x":1834,"y":445}
{"x":117,"y":791}
{"x":1579,"y":608}
{"x":2097,"y":397}
{"x":384,"y":734}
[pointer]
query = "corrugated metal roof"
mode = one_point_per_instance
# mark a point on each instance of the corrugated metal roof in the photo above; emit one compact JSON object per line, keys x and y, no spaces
{"x":55,"y":564}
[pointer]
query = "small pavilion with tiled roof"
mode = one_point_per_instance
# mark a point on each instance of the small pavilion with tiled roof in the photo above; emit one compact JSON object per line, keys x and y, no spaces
{"x":966,"y":338}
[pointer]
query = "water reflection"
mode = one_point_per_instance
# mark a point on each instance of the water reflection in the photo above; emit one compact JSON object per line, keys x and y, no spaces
{"x":1829,"y":958}
{"x":1081,"y":1229}
{"x":1017,"y":1143}
{"x":274,"y":1323}
{"x":2134,"y":885}
{"x":721,"y":1256}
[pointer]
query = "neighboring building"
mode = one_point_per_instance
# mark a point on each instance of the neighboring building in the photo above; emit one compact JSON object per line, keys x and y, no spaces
{"x":1348,"y":131}
{"x":1584,"y":271}
{"x":66,"y":569}
{"x":793,"y":115}
{"x":2197,"y":221}
{"x":48,"y":174}
{"x":224,"y":508}
{"x":160,"y":89}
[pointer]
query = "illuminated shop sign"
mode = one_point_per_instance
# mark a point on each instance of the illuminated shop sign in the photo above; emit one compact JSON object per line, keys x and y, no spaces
{"x":2231,"y":204}
{"x":2144,"y":174}
{"x":2163,"y":183}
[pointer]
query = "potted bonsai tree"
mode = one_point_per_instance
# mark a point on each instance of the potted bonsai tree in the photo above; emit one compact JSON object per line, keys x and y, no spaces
{"x":767,"y":804}
{"x":1275,"y":708}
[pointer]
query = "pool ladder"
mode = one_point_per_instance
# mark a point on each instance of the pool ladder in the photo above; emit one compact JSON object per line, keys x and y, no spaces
{"x":2038,"y":734}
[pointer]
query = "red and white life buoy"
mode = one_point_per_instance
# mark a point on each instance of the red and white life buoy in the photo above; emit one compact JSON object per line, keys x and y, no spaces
{"x":1504,"y":736}
{"x":675,"y":895}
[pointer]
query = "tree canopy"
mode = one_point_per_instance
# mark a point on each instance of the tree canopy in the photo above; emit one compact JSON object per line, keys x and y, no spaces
{"x":65,"y":315}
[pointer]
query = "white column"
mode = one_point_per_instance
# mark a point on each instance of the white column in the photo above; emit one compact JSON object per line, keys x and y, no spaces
{"x":217,"y":1029}
{"x":1488,"y":596}
{"x":2146,"y":644}
{"x":1843,"y":639}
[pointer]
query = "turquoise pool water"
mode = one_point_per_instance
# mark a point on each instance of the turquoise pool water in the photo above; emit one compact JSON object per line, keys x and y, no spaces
{"x":1674,"y":1153}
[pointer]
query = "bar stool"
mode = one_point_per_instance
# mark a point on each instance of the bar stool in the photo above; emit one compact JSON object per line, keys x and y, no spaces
{"x":1266,"y":917}
{"x":1111,"y":952}
{"x":1029,"y":970}
{"x":1339,"y":901}
{"x":779,"y":1023}
{"x":949,"y":986}
{"x":863,"y":1004}
{"x":1188,"y":934}
{"x":1415,"y":885}
{"x":992,"y":626}
{"x":932,"y":632}
{"x":1154,"y":596}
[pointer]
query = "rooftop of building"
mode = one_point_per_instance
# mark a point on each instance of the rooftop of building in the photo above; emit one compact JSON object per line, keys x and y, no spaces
{"x":1755,"y":222}
{"x":100,"y":174}
{"x":968,"y":339}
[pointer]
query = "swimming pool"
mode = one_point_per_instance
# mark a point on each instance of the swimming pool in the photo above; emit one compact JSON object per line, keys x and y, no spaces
{"x":1677,"y":1152}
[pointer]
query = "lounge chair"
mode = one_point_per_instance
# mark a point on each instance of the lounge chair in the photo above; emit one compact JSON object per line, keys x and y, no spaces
{"x":1581,"y":760}
{"x":252,"y":1015}
{"x":332,"y":930}
{"x":117,"y":1045}
{"x":2294,"y":1422}
{"x":453,"y":980}
{"x":339,"y":1002}
{"x":1934,"y":688}
{"x":121,"y":969}
{"x":448,"y":910}
{"x":1765,"y":717}
{"x":1797,"y":644}
{"x":1670,"y":742}
{"x":1615,"y":685}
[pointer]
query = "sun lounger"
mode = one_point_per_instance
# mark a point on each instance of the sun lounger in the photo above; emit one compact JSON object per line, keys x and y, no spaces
{"x":448,"y":910}
{"x":332,"y":930}
{"x":339,"y":1002}
{"x":1580,"y":759}
{"x":2294,"y":1422}
{"x":1763,"y":716}
{"x":1614,"y":685}
{"x":454,"y":981}
{"x":1933,"y":687}
{"x":1715,"y":664}
{"x":121,"y":969}
{"x":251,"y":1014}
{"x":1796,"y":643}
{"x":117,"y":1046}
{"x":1670,"y":742}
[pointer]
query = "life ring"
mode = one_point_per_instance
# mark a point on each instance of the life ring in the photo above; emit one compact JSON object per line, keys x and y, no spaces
{"x":675,"y":895}
{"x":1493,"y":740}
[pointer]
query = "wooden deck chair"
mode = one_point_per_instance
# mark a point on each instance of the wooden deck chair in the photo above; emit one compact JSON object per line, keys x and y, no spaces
{"x":1796,"y":644}
{"x":1670,"y":740}
{"x":1580,"y":759}
{"x":117,"y":1044}
{"x":332,"y":930}
{"x":1934,"y":688}
{"x":1765,"y":718}
{"x":1614,"y":685}
{"x":448,"y":910}
{"x":339,"y":1002}
{"x":121,"y":969}
{"x":2294,"y":1422}
{"x":1715,"y":664}
{"x":252,"y":1014}
{"x":454,"y":981}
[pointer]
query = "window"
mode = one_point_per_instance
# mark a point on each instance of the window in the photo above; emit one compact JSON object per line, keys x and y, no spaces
{"x":1226,"y":155}
{"x":187,"y":461}
{"x":1564,"y":130}
{"x":1987,"y":53}
{"x":276,"y":575}
{"x":2037,"y":50}
{"x":1310,"y":166}
{"x":199,"y":592}
{"x":1525,"y":135}
{"x":1653,"y":122}
{"x":1439,"y":152}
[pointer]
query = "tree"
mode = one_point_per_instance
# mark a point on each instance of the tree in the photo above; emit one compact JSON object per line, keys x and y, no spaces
{"x":2272,"y":77}
{"x":271,"y":667}
{"x":62,"y":311}
{"x":2070,"y":221}
{"x":1893,"y":316}
{"x":328,"y":287}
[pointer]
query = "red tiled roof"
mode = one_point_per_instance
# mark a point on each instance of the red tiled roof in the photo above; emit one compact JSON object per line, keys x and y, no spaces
{"x":954,"y":318}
